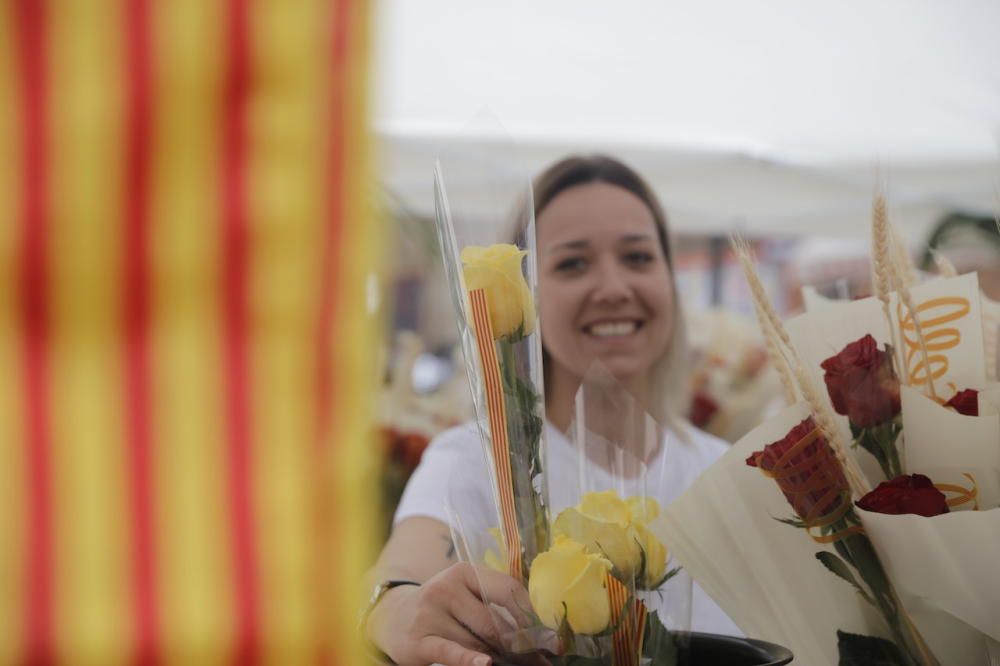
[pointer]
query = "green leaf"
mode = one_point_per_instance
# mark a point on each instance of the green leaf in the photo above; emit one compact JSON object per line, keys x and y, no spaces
{"x":858,"y":650}
{"x":794,"y":522}
{"x":667,"y":576}
{"x":841,"y":570}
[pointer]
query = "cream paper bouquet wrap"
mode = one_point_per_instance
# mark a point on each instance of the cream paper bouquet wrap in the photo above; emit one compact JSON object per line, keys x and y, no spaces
{"x":943,"y":568}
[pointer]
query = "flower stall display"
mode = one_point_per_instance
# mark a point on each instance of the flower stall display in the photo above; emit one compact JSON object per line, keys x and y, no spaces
{"x":733,"y":386}
{"x":889,"y":459}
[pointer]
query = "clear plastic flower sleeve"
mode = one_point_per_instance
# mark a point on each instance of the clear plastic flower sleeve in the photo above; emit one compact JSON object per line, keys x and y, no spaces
{"x":493,"y":286}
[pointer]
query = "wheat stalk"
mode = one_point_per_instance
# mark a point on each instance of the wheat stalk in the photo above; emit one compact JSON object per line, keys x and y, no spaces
{"x":902,"y":260}
{"x":824,"y":419}
{"x":771,"y":340}
{"x":778,"y":361}
{"x":884,"y":278}
{"x":772,"y":326}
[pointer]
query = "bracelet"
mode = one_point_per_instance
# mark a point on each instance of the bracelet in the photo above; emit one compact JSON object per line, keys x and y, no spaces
{"x":376,"y":597}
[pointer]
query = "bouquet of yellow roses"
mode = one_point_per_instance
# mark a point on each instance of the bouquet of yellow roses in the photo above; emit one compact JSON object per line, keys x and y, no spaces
{"x":594,"y":590}
{"x":586,"y":570}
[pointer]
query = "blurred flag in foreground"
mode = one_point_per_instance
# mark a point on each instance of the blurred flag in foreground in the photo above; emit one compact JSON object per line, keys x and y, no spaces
{"x":184,"y":354}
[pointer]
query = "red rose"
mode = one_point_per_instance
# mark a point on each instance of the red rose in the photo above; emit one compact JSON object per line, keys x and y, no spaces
{"x":807,"y":471}
{"x":910,"y":493}
{"x":862,"y":384}
{"x":965,"y":402}
{"x":703,"y":409}
{"x":406,"y":448}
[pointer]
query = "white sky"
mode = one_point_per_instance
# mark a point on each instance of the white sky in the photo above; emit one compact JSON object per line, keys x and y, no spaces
{"x":769,"y":115}
{"x":855,"y":79}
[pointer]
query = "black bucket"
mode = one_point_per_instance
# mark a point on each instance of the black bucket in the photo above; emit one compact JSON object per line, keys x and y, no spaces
{"x":715,"y":650}
{"x":698,"y":649}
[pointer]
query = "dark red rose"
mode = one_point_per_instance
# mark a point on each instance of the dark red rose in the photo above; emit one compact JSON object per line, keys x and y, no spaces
{"x":405,"y":448}
{"x":862,"y":384}
{"x":703,"y":409}
{"x":807,"y":471}
{"x":965,"y":402}
{"x":910,"y":493}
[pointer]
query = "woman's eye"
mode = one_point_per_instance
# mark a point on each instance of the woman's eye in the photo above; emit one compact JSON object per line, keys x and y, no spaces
{"x":571,"y":265}
{"x":638,"y":258}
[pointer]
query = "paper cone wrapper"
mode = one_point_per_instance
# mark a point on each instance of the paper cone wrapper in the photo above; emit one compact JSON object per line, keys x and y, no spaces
{"x":951,"y":317}
{"x":945,"y":446}
{"x":989,"y":399}
{"x":991,"y":336}
{"x":953,"y":642}
{"x":763,"y":573}
{"x":947,"y":563}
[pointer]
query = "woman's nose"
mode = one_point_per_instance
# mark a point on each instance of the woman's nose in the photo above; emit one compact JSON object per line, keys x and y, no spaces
{"x":611,"y":285}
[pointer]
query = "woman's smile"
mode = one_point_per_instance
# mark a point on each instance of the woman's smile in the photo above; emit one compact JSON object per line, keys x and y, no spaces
{"x":611,"y":329}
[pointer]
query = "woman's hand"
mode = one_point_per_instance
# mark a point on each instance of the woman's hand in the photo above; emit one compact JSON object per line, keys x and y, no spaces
{"x":445,"y":620}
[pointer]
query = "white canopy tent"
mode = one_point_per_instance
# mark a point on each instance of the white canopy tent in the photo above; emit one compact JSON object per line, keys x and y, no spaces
{"x":770,"y":117}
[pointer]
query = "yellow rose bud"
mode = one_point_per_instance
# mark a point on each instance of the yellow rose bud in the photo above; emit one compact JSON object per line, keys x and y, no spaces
{"x":497,"y":270}
{"x":602,"y":523}
{"x":643,"y":511}
{"x":567,"y":581}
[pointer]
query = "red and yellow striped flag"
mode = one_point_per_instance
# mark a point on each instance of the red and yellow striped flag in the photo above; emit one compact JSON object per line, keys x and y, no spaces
{"x":185,"y":354}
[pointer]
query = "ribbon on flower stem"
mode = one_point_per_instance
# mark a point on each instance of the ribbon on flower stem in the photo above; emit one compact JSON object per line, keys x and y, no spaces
{"x":498,"y":428}
{"x":628,"y":616}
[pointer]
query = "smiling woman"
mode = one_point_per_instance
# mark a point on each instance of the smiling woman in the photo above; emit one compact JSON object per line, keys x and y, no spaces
{"x":606,"y":293}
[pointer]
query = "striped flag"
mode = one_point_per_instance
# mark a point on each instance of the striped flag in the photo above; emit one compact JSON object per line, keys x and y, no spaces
{"x":185,"y":360}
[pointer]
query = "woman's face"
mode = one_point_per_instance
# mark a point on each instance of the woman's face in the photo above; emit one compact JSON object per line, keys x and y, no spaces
{"x":605,"y":289}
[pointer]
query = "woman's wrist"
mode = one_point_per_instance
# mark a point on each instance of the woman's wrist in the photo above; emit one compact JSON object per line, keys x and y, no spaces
{"x":381,"y":609}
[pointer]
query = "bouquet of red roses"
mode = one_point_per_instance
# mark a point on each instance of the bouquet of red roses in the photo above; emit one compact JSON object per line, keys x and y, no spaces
{"x":892,"y":472}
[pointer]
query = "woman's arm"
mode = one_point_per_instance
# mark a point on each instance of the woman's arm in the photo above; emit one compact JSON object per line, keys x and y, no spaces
{"x":418,"y":548}
{"x":444,"y":620}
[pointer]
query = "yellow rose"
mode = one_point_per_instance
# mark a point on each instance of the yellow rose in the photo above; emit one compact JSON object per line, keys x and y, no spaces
{"x":618,"y":529}
{"x":602,"y":523}
{"x":567,"y":581}
{"x":643,"y":510}
{"x":655,"y":553}
{"x":497,"y":270}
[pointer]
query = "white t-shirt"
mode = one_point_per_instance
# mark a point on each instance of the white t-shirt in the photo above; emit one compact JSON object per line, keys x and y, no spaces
{"x":453,"y":473}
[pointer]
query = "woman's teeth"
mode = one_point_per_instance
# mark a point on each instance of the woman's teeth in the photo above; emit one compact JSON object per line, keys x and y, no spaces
{"x":613,"y":329}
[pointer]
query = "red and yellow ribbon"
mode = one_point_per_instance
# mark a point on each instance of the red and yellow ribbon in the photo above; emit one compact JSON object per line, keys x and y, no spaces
{"x":498,"y":428}
{"x":628,"y":614}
